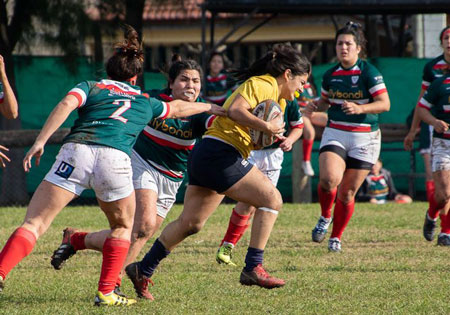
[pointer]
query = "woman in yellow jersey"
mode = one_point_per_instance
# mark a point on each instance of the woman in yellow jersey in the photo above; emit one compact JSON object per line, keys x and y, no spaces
{"x":218,"y":167}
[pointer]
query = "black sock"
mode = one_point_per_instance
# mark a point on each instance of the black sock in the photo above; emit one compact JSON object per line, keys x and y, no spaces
{"x":152,"y":259}
{"x":254,"y":257}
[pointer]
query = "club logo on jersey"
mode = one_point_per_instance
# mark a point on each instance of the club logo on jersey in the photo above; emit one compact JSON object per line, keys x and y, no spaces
{"x":355,"y":79}
{"x":244,"y":163}
{"x":64,"y":170}
{"x":345,"y":95}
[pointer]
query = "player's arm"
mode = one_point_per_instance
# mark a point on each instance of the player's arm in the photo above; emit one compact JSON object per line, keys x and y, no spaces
{"x":415,"y":126}
{"x":54,"y":121}
{"x":294,"y":135}
{"x":239,"y":111}
{"x":380,"y":104}
{"x":424,"y":114}
{"x":9,"y":107}
{"x":180,"y":108}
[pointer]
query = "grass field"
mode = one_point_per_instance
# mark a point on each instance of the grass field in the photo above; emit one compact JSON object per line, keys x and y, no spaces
{"x":386,"y":267}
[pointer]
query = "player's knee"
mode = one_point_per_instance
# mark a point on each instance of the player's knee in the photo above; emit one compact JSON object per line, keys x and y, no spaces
{"x":327,"y":184}
{"x":275,"y":201}
{"x":191,"y":227}
{"x":347,"y":196}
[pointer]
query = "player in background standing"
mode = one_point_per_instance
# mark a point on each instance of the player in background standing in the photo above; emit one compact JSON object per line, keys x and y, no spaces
{"x":217,"y":167}
{"x":268,"y":160}
{"x":309,"y":133}
{"x":432,"y":71}
{"x":95,"y":154}
{"x":159,"y":162}
{"x":354,"y":93}
{"x":218,"y":84}
{"x":8,"y":105}
{"x":433,"y":108}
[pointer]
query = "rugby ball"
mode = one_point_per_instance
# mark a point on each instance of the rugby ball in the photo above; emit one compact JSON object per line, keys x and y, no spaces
{"x":267,"y":110}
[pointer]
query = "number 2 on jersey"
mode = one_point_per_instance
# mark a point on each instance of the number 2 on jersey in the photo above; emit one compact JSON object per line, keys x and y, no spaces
{"x":124,"y":106}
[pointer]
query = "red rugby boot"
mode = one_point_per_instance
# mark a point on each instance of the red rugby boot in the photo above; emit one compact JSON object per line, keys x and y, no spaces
{"x":258,"y":276}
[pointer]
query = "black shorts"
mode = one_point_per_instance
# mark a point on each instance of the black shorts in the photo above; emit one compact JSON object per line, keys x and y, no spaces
{"x":350,"y":162}
{"x":216,"y":165}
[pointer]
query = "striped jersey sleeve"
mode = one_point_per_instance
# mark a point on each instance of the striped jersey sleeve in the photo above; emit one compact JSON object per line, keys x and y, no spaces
{"x":160,"y":109}
{"x":293,"y":115}
{"x":80,"y":91}
{"x":375,"y":82}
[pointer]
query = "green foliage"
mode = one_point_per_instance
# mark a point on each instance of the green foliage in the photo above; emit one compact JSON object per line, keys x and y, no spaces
{"x":386,"y":267}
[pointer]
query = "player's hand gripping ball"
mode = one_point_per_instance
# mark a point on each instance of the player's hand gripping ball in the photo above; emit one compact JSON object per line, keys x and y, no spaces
{"x":267,"y":110}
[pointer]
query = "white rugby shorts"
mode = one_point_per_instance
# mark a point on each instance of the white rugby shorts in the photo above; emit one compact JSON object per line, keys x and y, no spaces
{"x":104,"y":169}
{"x":146,"y":176}
{"x":269,"y":162}
{"x":363,"y":146}
{"x":440,"y":155}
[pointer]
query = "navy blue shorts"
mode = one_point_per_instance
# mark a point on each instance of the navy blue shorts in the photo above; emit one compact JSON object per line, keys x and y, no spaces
{"x":216,"y":165}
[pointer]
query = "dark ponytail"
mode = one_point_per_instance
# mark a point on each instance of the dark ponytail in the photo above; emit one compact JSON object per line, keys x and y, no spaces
{"x":128,"y":58}
{"x":356,"y":30}
{"x":275,"y":62}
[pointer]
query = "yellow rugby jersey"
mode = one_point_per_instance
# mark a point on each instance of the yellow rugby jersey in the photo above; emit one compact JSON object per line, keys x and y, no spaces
{"x":255,"y":90}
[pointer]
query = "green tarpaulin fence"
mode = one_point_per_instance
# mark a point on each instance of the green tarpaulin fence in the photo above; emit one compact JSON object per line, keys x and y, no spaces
{"x":42,"y":81}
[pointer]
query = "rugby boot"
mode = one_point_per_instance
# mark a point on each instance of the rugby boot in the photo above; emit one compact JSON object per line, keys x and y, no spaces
{"x":334,"y":245}
{"x":64,"y":251}
{"x":320,"y":230}
{"x":429,"y":228}
{"x":258,"y":276}
{"x":112,"y":299}
{"x":140,"y":282}
{"x":224,"y":256}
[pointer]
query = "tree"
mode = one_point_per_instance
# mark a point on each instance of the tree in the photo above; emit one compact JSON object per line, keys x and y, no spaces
{"x":64,"y":24}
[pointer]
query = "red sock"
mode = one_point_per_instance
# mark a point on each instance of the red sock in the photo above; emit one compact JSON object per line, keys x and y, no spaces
{"x":77,"y":240}
{"x":326,"y":200}
{"x":236,"y":228}
{"x":118,"y":282}
{"x":115,"y":251}
{"x":429,"y":188}
{"x":445,"y":223}
{"x":307,"y":149}
{"x":18,"y":246}
{"x":342,"y":214}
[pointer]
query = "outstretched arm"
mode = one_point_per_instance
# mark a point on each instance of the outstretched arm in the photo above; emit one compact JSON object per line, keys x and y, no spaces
{"x":54,"y":121}
{"x":179,"y":108}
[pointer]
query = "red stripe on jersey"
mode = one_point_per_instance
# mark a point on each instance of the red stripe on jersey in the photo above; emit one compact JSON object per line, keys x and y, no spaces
{"x":78,"y":96}
{"x":351,"y":128}
{"x":167,"y":172}
{"x":346,"y":72}
{"x":210,"y":121}
{"x":446,"y":135}
{"x":373,"y":177}
{"x":166,"y":97}
{"x":299,"y":126}
{"x":216,"y":79}
{"x":424,"y":87}
{"x":168,"y":144}
{"x":446,"y":81}
{"x":112,"y":87}
{"x":441,"y":66}
{"x":167,"y":112}
{"x":381,"y":91}
{"x":423,"y":106}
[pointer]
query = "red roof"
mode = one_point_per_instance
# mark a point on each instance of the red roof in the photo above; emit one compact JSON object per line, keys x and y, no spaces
{"x":169,"y":10}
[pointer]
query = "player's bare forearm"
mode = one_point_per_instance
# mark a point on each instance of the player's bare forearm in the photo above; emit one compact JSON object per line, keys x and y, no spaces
{"x":9,"y":108}
{"x":57,"y":117}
